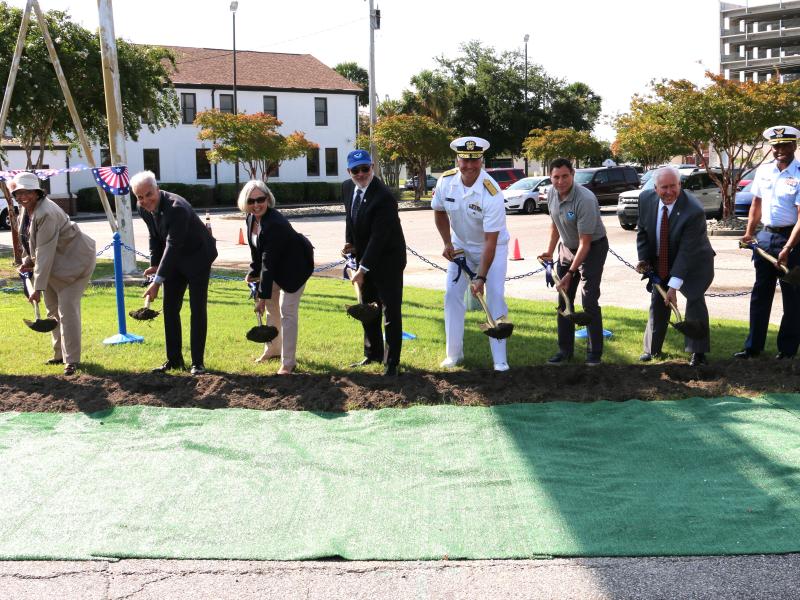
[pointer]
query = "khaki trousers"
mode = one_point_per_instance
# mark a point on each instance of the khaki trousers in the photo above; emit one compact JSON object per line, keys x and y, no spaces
{"x":282,"y":313}
{"x":64,"y":305}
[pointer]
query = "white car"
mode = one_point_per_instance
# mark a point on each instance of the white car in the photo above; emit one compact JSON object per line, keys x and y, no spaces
{"x":524,"y":194}
{"x":5,"y":222}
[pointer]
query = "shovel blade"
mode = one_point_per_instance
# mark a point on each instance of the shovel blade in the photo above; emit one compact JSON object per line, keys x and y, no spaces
{"x":792,"y":277}
{"x":366,"y":313}
{"x":144,"y":314}
{"x":42,"y":325}
{"x":262,"y":334}
{"x":580,"y":318}
{"x":694,"y":330}
{"x":501,"y":332}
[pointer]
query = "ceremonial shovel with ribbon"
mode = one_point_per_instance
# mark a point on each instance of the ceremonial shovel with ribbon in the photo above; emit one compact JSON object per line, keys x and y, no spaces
{"x":261,"y":333}
{"x":552,"y":279}
{"x":498,"y":329}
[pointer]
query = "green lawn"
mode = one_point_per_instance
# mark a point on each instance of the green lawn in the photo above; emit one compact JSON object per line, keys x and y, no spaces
{"x":329,"y":340}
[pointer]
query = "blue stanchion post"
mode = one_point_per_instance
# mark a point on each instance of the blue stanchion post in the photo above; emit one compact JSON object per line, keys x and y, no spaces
{"x":123,"y":337}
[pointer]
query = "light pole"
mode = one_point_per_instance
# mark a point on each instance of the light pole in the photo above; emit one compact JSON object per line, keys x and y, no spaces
{"x":234,"y":6}
{"x":525,"y":39}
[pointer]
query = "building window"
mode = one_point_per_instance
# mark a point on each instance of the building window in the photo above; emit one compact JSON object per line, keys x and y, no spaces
{"x":331,"y":161}
{"x":202,"y":164}
{"x":320,"y":111}
{"x":271,"y":105}
{"x":312,"y":162}
{"x":226,"y":103}
{"x":188,"y":108}
{"x":152,"y":161}
{"x":105,"y":157}
{"x":274,"y":170}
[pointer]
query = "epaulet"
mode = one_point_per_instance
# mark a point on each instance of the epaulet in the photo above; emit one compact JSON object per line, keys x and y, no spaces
{"x":450,"y":172}
{"x":490,"y":186}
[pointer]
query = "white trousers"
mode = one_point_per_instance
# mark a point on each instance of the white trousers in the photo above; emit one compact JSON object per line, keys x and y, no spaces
{"x":455,"y":307}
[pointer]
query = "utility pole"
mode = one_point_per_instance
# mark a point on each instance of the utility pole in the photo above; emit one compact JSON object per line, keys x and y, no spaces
{"x":374,"y":23}
{"x":234,"y":6}
{"x":527,"y":122}
{"x":116,"y":129}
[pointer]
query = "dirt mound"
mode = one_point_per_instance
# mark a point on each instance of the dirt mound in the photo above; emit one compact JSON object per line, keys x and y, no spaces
{"x":355,"y":390}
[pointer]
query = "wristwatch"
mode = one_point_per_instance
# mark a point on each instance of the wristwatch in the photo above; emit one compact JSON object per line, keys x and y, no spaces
{"x":571,"y":272}
{"x":481,"y":277}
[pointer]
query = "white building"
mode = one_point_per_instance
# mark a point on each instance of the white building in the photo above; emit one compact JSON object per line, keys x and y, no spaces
{"x":298,"y":89}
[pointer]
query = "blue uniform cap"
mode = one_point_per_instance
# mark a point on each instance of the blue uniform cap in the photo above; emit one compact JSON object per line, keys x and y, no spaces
{"x":358,"y":157}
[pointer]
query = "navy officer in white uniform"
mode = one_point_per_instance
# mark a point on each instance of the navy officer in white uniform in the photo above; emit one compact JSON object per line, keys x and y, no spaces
{"x":776,"y":205}
{"x":469,"y":214}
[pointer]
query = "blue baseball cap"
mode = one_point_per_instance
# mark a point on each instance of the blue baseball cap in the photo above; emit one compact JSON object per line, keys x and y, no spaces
{"x":358,"y":157}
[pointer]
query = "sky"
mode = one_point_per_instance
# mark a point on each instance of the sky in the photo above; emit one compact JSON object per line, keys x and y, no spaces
{"x":615,"y":46}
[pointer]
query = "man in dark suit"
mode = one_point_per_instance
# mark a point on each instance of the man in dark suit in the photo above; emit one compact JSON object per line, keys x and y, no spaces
{"x":181,"y":253}
{"x":374,"y":236}
{"x":672,"y":240}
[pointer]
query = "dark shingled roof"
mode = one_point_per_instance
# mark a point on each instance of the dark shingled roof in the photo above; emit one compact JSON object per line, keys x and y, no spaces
{"x":209,"y":66}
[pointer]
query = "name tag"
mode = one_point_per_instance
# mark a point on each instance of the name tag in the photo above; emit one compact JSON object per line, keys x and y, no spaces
{"x":475,"y":207}
{"x":449,"y":199}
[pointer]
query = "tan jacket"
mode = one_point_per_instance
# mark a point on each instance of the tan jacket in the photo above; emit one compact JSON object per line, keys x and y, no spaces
{"x":60,"y":253}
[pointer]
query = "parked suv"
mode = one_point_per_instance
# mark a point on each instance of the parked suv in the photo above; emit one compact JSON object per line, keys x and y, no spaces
{"x":607,"y":183}
{"x":505,"y":176}
{"x":696,"y":181}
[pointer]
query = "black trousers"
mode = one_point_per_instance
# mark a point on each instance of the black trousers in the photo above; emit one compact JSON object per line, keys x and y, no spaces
{"x":387,"y":290}
{"x":174,"y":290}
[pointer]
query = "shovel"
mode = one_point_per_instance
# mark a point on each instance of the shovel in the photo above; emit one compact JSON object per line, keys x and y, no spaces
{"x":692,"y":329}
{"x":40,"y":325}
{"x":145,"y":313}
{"x":580,"y":318}
{"x":497,"y":329}
{"x":790,"y":276}
{"x":261,"y":334}
{"x":366,"y":313}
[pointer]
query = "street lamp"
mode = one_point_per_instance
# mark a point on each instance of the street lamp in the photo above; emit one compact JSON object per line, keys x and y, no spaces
{"x":234,"y":6}
{"x":525,"y":39}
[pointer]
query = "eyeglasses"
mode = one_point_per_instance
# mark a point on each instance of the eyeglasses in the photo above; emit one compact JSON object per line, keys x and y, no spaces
{"x":360,"y":169}
{"x":258,"y":200}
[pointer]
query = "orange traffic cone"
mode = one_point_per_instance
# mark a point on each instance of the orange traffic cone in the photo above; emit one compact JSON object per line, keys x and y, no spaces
{"x":516,"y":255}
{"x":241,"y":237}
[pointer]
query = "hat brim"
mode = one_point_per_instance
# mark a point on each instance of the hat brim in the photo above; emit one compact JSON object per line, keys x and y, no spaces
{"x":781,"y":140}
{"x":469,"y":154}
{"x":358,"y":163}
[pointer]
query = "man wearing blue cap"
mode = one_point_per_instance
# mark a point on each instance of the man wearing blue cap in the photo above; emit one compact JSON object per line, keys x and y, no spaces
{"x":373,"y":235}
{"x":776,"y":205}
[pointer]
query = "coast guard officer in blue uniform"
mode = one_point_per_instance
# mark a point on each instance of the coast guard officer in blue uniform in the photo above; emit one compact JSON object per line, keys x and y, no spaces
{"x":776,"y":205}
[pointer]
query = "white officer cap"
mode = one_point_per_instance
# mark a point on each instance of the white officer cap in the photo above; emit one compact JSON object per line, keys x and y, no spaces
{"x":469,"y":146}
{"x":781,"y":134}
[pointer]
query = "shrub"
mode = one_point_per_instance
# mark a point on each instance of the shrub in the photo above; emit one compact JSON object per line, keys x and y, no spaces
{"x":199,"y":195}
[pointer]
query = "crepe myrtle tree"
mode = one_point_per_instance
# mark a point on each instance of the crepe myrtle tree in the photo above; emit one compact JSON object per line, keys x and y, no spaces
{"x":414,"y":140}
{"x":643,"y":135}
{"x":252,"y":140}
{"x":38,"y":116}
{"x":729,"y":116}
{"x":545,"y":145}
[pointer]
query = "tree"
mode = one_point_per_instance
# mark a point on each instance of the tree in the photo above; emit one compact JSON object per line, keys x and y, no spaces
{"x":359,"y":76}
{"x":432,"y":97}
{"x":253,"y":140}
{"x":730,"y":116}
{"x":645,"y":137}
{"x":38,"y":115}
{"x":545,"y":145}
{"x":414,"y":140}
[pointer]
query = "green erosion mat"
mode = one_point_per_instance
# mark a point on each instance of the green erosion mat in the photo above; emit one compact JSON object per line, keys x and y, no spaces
{"x":699,"y":476}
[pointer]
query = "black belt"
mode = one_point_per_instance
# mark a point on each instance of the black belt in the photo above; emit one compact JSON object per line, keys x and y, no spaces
{"x":787,"y":230}
{"x":602,"y":239}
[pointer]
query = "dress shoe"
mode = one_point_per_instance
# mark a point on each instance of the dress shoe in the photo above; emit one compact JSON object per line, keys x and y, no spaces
{"x":745,"y":354}
{"x":391,"y":371}
{"x":366,"y":361}
{"x":198,"y":370}
{"x":647,"y":356}
{"x":503,"y":366}
{"x":697,"y":359}
{"x":559,"y":359}
{"x":54,"y":361}
{"x":69,"y":368}
{"x":451,"y":363}
{"x":592,"y":360}
{"x":168,"y":366}
{"x":784,"y":356}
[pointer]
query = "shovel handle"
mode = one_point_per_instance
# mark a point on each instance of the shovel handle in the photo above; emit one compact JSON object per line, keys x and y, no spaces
{"x":29,"y":287}
{"x":359,"y":299}
{"x":489,"y":318}
{"x":674,"y":308}
{"x":569,"y":308}
{"x":765,"y":255}
{"x":147,"y":301}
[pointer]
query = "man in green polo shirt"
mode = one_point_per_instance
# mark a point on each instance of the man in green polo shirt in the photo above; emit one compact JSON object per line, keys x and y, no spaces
{"x":582,"y":253}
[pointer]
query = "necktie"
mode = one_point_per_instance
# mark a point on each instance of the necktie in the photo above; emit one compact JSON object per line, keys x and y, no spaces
{"x":356,"y":205}
{"x":663,"y":246}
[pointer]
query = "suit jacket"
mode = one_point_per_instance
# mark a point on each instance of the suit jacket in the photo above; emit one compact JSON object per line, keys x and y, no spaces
{"x":376,"y":234}
{"x":280,"y":254}
{"x":179,"y":241}
{"x":691,"y":257}
{"x":59,"y":252}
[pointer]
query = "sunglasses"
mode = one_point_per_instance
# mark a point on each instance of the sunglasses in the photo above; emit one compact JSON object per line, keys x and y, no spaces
{"x":361,"y":169}
{"x":258,"y":200}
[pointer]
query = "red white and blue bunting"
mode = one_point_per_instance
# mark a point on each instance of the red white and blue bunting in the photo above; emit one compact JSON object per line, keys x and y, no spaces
{"x":114,"y":180}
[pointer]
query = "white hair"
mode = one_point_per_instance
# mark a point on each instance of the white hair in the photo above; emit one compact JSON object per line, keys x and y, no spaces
{"x":254,"y":184}
{"x":144,"y":177}
{"x":664,"y":171}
